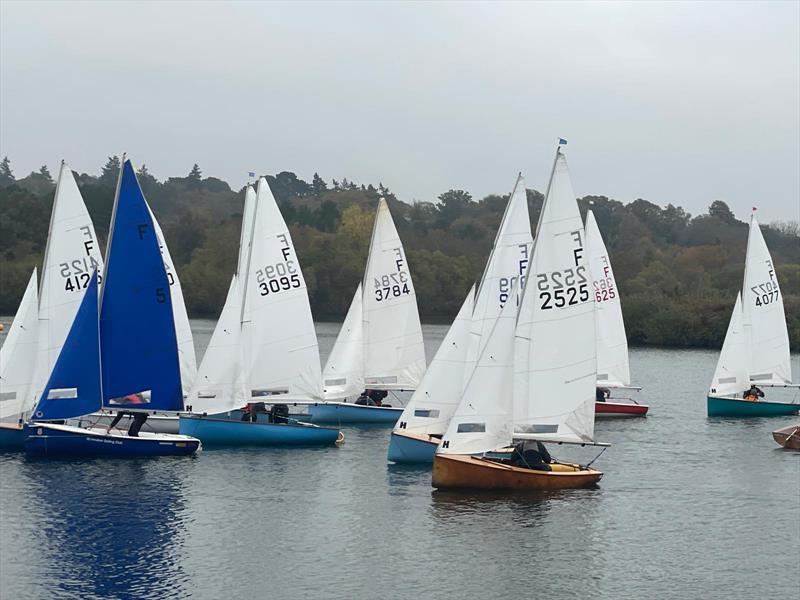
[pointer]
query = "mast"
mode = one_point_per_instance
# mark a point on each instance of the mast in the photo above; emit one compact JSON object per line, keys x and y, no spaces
{"x":111,"y":227}
{"x":50,"y":230}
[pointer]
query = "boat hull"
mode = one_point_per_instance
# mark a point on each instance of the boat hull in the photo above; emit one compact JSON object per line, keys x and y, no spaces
{"x":788,"y":437}
{"x":407,"y":447}
{"x":458,"y":471}
{"x":619,"y":410}
{"x":65,"y":441}
{"x":343,"y":412}
{"x":735,"y":407}
{"x":228,"y":432}
{"x":12,"y":437}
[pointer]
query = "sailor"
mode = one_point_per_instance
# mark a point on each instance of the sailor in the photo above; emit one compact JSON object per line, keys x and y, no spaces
{"x":377,"y":396}
{"x":137,"y":420}
{"x":528,"y":458}
{"x":602,"y":394}
{"x":364,"y":399}
{"x":754,"y":393}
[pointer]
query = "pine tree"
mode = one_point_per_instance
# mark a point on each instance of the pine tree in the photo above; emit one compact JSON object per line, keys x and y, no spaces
{"x":6,"y":175}
{"x":45,"y":173}
{"x":110,"y":171}
{"x":195,"y":177}
{"x":318,"y":185}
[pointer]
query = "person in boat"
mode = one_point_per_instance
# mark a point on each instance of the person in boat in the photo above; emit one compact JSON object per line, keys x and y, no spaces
{"x":365,"y":399}
{"x":137,"y":420}
{"x":754,"y":393}
{"x":602,"y":394}
{"x":538,"y":459}
{"x":377,"y":396}
{"x":252,"y":409}
{"x":279,"y":414}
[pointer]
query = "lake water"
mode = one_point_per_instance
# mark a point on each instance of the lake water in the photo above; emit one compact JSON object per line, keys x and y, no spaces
{"x":690,"y":507}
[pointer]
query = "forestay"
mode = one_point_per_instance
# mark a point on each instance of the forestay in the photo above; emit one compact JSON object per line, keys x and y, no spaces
{"x":731,"y":376}
{"x":183,"y":330}
{"x":73,"y":387}
{"x":394,"y":354}
{"x":483,"y":418}
{"x":71,"y":256}
{"x":613,"y":369}
{"x":436,"y":399}
{"x":220,"y":384}
{"x":140,"y":365}
{"x":343,"y":375}
{"x":282,"y":356}
{"x":763,"y":315}
{"x":555,"y":358}
{"x":18,"y":356}
{"x":508,"y":263}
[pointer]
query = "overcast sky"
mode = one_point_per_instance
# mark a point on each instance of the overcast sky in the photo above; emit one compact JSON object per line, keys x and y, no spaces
{"x":681,"y":103}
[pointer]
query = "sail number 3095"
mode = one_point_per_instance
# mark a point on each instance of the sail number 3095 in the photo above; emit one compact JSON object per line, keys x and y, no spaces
{"x":562,"y":288}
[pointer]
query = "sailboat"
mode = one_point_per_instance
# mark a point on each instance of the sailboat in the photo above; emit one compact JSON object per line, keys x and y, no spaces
{"x":109,"y":360}
{"x":535,"y":376}
{"x":613,"y":369}
{"x":393,"y":352}
{"x":756,"y":346}
{"x":788,"y":437}
{"x":417,"y":433}
{"x":264,"y":347}
{"x":17,"y":366}
{"x":72,"y":252}
{"x":163,"y":423}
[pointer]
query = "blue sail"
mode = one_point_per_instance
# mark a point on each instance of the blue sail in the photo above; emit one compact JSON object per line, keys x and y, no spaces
{"x":137,"y":329}
{"x":74,"y":386}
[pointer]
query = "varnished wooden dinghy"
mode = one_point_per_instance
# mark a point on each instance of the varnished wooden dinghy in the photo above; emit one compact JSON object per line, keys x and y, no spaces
{"x":788,"y":437}
{"x":459,"y":471}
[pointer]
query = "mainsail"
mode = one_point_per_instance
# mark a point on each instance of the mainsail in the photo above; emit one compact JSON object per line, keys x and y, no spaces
{"x":394,"y":353}
{"x":18,"y":356}
{"x":281,"y":351}
{"x":555,"y":358}
{"x":140,"y":366}
{"x":763,"y":316}
{"x":183,"y":330}
{"x":71,"y":256}
{"x":613,"y":370}
{"x":731,"y":376}
{"x":343,"y":375}
{"x":440,"y":391}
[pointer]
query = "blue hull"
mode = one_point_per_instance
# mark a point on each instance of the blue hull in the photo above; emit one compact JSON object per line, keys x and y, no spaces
{"x":63,"y":441}
{"x":12,"y":437}
{"x":227,"y":432}
{"x":730,"y":407}
{"x":406,"y":450}
{"x":341,"y":413}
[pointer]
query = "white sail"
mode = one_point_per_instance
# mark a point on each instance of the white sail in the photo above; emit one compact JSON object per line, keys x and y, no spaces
{"x":483,"y":418}
{"x":508,"y":262}
{"x":343,"y":375}
{"x":731,"y":376}
{"x":220,"y":384}
{"x":248,"y":210}
{"x":394,"y":353}
{"x":281,"y":353}
{"x":440,"y":391}
{"x":555,"y":363}
{"x":183,"y":331}
{"x":763,"y":315}
{"x":71,"y":256}
{"x":613,"y":369}
{"x":18,"y":356}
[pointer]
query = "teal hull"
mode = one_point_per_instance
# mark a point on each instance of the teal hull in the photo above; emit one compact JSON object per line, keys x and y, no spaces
{"x":411,"y":450}
{"x":731,"y":407}
{"x":12,"y":438}
{"x":342,"y":412}
{"x":225,"y":432}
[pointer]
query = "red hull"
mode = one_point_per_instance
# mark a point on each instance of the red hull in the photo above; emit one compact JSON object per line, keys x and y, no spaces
{"x":609,"y":410}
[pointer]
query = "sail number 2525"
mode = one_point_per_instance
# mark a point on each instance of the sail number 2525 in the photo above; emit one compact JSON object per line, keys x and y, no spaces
{"x":563,"y":288}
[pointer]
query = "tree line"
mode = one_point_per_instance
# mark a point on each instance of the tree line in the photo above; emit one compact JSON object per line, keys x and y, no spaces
{"x":678,"y":274}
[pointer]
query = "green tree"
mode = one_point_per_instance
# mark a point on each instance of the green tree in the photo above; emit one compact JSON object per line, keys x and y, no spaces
{"x":721,"y":210}
{"x":318,"y":185}
{"x":110,"y":171}
{"x":6,"y":175}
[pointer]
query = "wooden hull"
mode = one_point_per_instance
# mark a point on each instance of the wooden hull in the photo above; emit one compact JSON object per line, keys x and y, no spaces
{"x":619,"y":410}
{"x":738,"y":407}
{"x":458,"y":471}
{"x":788,"y":437}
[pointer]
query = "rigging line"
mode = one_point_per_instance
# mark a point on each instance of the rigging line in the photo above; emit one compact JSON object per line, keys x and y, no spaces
{"x":596,"y":457}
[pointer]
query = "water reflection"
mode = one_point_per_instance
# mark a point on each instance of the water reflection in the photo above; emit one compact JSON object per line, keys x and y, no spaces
{"x":112,"y":527}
